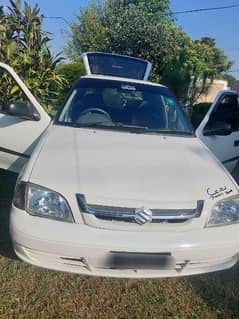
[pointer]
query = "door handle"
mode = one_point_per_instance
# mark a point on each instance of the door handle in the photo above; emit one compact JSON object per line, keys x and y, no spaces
{"x":236,"y":143}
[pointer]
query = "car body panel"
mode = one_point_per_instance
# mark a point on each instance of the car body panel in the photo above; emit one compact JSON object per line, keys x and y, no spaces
{"x":19,"y":136}
{"x":144,"y":167}
{"x":224,"y":147}
{"x":80,"y":249}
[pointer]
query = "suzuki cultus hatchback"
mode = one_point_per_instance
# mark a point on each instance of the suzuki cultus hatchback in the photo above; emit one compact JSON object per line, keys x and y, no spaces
{"x":118,"y":184}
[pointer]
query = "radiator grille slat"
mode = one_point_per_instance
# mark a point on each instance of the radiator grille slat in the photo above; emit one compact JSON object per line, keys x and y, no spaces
{"x":124,"y":214}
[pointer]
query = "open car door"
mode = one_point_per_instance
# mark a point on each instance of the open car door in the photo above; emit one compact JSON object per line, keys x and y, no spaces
{"x":22,"y":120}
{"x":219,"y":129}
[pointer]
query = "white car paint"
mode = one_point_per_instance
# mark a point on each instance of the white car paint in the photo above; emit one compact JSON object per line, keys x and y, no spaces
{"x":222,"y":146}
{"x":124,"y":170}
{"x":18,"y":136}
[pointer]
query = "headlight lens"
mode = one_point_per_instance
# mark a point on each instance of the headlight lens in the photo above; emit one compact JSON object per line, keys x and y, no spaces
{"x":224,"y":212}
{"x":43,"y":202}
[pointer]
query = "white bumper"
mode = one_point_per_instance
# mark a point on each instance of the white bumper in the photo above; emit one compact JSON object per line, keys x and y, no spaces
{"x":82,"y":249}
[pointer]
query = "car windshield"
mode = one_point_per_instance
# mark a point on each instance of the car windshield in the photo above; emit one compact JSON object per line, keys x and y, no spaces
{"x":120,"y":105}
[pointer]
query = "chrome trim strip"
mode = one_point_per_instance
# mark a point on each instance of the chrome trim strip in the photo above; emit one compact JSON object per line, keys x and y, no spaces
{"x":128,"y":214}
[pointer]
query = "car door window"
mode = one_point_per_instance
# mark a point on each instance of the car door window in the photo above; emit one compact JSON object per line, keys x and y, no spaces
{"x":227,"y":111}
{"x":10,"y":92}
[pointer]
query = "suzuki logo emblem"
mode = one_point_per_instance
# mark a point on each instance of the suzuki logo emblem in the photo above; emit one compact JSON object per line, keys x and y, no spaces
{"x":143,"y":216}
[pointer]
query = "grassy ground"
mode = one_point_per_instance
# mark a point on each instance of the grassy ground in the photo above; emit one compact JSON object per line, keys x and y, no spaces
{"x":30,"y":292}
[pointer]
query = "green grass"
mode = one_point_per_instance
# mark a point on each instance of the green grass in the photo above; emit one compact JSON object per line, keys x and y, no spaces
{"x":31,"y":292}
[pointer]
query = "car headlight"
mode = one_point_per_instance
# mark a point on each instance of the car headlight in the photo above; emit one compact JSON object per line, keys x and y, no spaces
{"x":224,"y":212}
{"x":42,"y":202}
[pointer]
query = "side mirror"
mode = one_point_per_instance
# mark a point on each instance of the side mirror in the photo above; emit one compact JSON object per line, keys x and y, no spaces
{"x":217,"y":128}
{"x":23,"y":111}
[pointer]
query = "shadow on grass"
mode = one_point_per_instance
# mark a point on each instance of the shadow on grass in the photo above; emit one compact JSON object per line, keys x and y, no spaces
{"x":220,"y":290}
{"x":7,"y":184}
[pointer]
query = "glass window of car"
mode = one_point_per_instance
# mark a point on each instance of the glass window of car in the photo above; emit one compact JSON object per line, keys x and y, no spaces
{"x":227,"y":111}
{"x":10,"y":92}
{"x":116,"y":103}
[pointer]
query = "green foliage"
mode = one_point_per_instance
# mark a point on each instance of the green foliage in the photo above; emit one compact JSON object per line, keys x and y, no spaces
{"x":192,"y":70}
{"x":89,"y":34}
{"x":136,"y":31}
{"x":138,"y":28}
{"x":154,"y":9}
{"x":24,"y":46}
{"x":70,"y":72}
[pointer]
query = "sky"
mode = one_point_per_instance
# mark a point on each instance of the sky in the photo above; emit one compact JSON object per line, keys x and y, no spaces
{"x":223,"y":25}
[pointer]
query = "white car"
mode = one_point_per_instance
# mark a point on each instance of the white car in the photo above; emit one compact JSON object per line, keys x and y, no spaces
{"x":118,"y":184}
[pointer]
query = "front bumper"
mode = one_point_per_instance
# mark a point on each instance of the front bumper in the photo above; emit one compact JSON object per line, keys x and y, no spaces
{"x":82,"y":249}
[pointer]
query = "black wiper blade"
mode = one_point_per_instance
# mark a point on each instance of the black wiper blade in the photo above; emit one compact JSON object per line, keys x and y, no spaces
{"x":175,"y":132}
{"x":104,"y":125}
{"x":145,"y":130}
{"x":127,"y":127}
{"x":94,"y":124}
{"x":89,"y":125}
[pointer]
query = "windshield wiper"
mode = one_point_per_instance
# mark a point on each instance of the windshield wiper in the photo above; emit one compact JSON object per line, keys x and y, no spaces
{"x":127,"y":127}
{"x":145,"y":130}
{"x":87,"y":125}
{"x":104,"y":125}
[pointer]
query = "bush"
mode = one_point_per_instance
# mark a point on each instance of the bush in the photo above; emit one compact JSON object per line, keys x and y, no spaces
{"x":70,"y":72}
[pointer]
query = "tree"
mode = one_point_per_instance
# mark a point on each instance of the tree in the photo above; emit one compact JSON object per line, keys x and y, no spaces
{"x":191,"y":72}
{"x":89,"y":34}
{"x":142,"y":28}
{"x":24,"y":46}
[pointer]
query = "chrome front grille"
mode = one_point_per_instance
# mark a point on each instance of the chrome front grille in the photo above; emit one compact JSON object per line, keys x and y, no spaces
{"x":124,"y":214}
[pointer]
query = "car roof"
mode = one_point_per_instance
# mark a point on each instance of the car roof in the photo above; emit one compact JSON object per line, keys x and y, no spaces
{"x":114,"y":78}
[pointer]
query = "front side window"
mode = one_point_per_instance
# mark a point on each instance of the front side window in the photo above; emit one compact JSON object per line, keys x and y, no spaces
{"x":11,"y":93}
{"x":119,"y":104}
{"x":227,"y":111}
